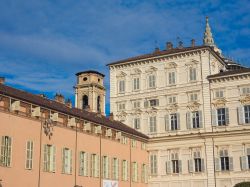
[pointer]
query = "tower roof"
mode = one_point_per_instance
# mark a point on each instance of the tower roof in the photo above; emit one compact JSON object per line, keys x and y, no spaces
{"x":208,"y":36}
{"x":90,"y":71}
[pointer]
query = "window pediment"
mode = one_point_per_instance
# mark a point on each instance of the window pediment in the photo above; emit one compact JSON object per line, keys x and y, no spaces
{"x":121,"y":74}
{"x":171,"y":65}
{"x":136,"y":71}
{"x":151,"y":69}
{"x":192,"y":63}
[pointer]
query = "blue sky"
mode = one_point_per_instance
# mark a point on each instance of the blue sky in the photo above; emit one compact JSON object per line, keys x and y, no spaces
{"x":43,"y":43}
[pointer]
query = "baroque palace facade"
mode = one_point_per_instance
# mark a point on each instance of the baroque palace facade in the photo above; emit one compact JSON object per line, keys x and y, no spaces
{"x":194,"y":104}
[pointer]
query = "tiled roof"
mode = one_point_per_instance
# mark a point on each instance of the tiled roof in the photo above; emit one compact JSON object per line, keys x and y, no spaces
{"x":60,"y":107}
{"x":161,"y":53}
{"x":229,"y":73}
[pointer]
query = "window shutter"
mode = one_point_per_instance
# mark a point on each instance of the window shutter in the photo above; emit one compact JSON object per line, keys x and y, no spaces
{"x":168,"y":167}
{"x":202,"y":165}
{"x":146,"y":104}
{"x":241,"y":115}
{"x":190,"y":166}
{"x":118,"y":169}
{"x":70,"y":159}
{"x":217,"y":164}
{"x":157,"y":102}
{"x":81,"y":164}
{"x":188,"y":118}
{"x":178,"y":121}
{"x":180,"y":166}
{"x":97,"y":165}
{"x":63,"y":160}
{"x":243,"y":163}
{"x":227,"y":115}
{"x":45,"y":158}
{"x":128,"y":170}
{"x":54,"y":158}
{"x":167,"y":122}
{"x":2,"y":151}
{"x":8,"y":151}
{"x":214,"y":117}
{"x":248,"y":151}
{"x":231,"y":164}
{"x":200,"y":119}
{"x":86,"y":167}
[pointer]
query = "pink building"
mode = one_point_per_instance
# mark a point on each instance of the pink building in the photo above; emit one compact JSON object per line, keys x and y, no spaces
{"x":49,"y":143}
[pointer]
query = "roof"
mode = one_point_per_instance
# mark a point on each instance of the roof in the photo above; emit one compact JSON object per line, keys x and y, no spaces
{"x":162,"y":53}
{"x":90,"y":71}
{"x":229,"y":73}
{"x":60,"y":107}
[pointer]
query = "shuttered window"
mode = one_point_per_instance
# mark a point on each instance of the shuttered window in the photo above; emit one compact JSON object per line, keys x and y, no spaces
{"x":66,"y":161}
{"x":153,"y":164}
{"x":6,"y":149}
{"x":115,"y":168}
{"x":144,"y":176}
{"x":105,"y":167}
{"x":135,"y":172}
{"x":192,"y":74}
{"x":151,"y":81}
{"x":83,"y":161}
{"x":247,"y":113}
{"x":95,"y":165}
{"x":152,"y":124}
{"x":29,"y":155}
{"x":49,"y":158}
{"x":136,"y":83}
{"x":121,"y":86}
{"x":124,"y":170}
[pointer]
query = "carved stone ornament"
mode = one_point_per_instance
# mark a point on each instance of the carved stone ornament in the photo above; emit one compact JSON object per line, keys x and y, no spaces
{"x":151,"y":69}
{"x":48,"y":127}
{"x":136,"y":71}
{"x":172,"y":108}
{"x":245,"y":99}
{"x":122,"y":114}
{"x":152,"y":110}
{"x":171,"y":65}
{"x":137,"y":111}
{"x":193,"y":106}
{"x":219,"y":102}
{"x":121,"y":74}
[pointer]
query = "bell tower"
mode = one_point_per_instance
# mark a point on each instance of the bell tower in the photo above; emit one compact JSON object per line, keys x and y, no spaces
{"x":90,"y":91}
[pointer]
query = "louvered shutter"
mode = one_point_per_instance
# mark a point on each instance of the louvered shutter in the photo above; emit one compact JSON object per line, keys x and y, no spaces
{"x":63,"y":160}
{"x":217,"y":164}
{"x":168,"y":167}
{"x":98,"y":165}
{"x":8,"y":151}
{"x":214,"y":117}
{"x":178,"y":121}
{"x":231,"y":165}
{"x":188,"y":120}
{"x":180,"y":166}
{"x":243,"y":163}
{"x":2,"y":151}
{"x":45,"y":158}
{"x":86,"y":166}
{"x":167,"y":122}
{"x":190,"y":166}
{"x":227,"y":115}
{"x":81,"y":164}
{"x":202,"y":165}
{"x":157,"y":102}
{"x":241,"y":116}
{"x":70,"y":160}
{"x":54,"y":158}
{"x":146,"y":104}
{"x":200,"y":119}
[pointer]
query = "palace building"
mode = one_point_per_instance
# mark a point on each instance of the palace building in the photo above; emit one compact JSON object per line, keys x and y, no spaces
{"x":194,"y":104}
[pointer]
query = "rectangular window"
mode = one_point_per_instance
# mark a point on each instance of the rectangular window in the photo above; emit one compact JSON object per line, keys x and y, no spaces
{"x":49,"y":162}
{"x":134,"y":172}
{"x":124,"y":170}
{"x":192,"y":74}
{"x":172,"y":99}
{"x":95,"y":160}
{"x":29,"y":155}
{"x":219,"y":94}
{"x":153,"y":164}
{"x":136,"y":104}
{"x":121,"y":86}
{"x":115,"y":168}
{"x":83,"y":170}
{"x":221,"y":116}
{"x":224,"y":160}
{"x":137,"y":123}
{"x":246,"y":91}
{"x":133,"y":143}
{"x":171,"y":78}
{"x":175,"y":163}
{"x":66,"y":161}
{"x":195,"y":119}
{"x":105,"y":165}
{"x":173,"y":121}
{"x":136,"y":83}
{"x":152,"y":124}
{"x":144,"y":173}
{"x":193,"y":97}
{"x":6,"y":151}
{"x":121,"y":106}
{"x":154,"y":102}
{"x":247,"y":113}
{"x":151,"y":81}
{"x":124,"y":140}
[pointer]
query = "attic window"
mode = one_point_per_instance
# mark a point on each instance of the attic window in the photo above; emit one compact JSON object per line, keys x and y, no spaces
{"x":85,"y":78}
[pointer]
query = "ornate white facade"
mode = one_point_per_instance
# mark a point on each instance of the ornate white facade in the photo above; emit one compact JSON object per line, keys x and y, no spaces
{"x":196,"y":110}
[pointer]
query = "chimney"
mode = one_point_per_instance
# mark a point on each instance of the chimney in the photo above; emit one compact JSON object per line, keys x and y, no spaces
{"x":68,"y":103}
{"x":111,"y":116}
{"x":193,"y":43}
{"x":59,"y":98}
{"x":42,"y":95}
{"x":169,"y":45}
{"x":157,"y":49}
{"x":180,"y":45}
{"x":2,"y":80}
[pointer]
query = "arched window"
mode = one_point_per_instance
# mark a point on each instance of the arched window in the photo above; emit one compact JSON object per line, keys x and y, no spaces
{"x":85,"y":102}
{"x":98,"y":104}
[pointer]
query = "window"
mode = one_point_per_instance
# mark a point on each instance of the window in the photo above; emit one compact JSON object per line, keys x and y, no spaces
{"x":153,"y":164}
{"x":6,"y":151}
{"x":220,"y":116}
{"x":121,"y":106}
{"x":247,"y":113}
{"x":124,"y":170}
{"x":224,"y":160}
{"x":248,"y":157}
{"x":135,"y":172}
{"x":153,"y":102}
{"x":115,"y":168}
{"x":175,"y":162}
{"x":124,"y":140}
{"x":194,"y":119}
{"x":152,"y":124}
{"x":172,"y":99}
{"x":136,"y":83}
{"x":192,"y":74}
{"x":85,"y":102}
{"x":144,"y":176}
{"x":143,"y":146}
{"x":245,"y":91}
{"x":95,"y":160}
{"x":151,"y":81}
{"x":98,"y":104}
{"x":121,"y":86}
{"x":171,"y":78}
{"x":29,"y":155}
{"x":136,"y":104}
{"x":137,"y":123}
{"x":105,"y":165}
{"x":219,"y":94}
{"x":66,"y":161}
{"x":133,"y":143}
{"x":245,"y":160}
{"x":193,"y":97}
{"x":173,"y":121}
{"x":196,"y":164}
{"x":49,"y":162}
{"x":83,"y":170}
